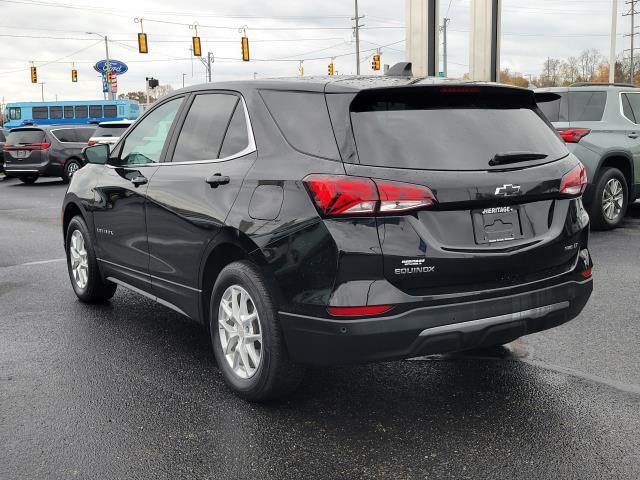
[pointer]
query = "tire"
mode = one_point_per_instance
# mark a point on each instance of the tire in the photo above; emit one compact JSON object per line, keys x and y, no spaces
{"x":604,"y":214}
{"x":91,"y":288}
{"x":28,"y":179}
{"x":71,"y":167}
{"x":273,"y":375}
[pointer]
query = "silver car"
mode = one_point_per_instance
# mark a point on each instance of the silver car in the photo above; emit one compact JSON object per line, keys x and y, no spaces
{"x":109,"y":132}
{"x":600,"y":124}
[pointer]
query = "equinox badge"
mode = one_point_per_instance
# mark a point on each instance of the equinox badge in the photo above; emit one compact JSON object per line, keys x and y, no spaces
{"x":507,"y":190}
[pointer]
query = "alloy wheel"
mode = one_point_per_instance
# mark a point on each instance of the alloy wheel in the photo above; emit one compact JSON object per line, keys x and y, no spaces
{"x":612,"y":199}
{"x":72,"y":168}
{"x":239,"y":331}
{"x":79,"y":259}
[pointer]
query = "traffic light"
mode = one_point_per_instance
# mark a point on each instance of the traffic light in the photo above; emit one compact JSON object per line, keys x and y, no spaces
{"x":107,"y":76}
{"x":375,"y":64}
{"x":331,"y":68}
{"x":197,"y":50}
{"x":74,"y":75}
{"x":34,"y":75}
{"x":143,"y":47}
{"x":245,"y":49}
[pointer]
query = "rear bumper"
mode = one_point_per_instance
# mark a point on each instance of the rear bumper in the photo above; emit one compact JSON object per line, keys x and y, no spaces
{"x":429,"y":330}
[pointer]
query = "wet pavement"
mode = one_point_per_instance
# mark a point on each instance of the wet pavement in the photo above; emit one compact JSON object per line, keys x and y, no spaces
{"x":131,"y":390}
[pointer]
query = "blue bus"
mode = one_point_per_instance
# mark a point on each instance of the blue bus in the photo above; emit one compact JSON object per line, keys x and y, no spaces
{"x":80,"y":112}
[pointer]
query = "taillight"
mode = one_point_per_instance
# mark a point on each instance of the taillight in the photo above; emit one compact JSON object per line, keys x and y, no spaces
{"x":91,"y":142}
{"x":363,"y":311}
{"x":344,"y":195}
{"x":575,"y":182}
{"x":40,"y":146}
{"x":573,"y":135}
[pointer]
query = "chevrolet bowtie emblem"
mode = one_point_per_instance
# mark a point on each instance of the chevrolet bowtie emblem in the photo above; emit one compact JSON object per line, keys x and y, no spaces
{"x":507,"y":190}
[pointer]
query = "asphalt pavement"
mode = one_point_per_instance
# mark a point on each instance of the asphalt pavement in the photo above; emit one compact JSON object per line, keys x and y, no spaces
{"x":130,"y":389}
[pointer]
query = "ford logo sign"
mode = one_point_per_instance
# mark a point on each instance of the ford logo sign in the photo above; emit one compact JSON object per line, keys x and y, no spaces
{"x":114,"y":65}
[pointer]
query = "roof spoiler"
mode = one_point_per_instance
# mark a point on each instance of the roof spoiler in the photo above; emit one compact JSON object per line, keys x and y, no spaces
{"x":400,"y":69}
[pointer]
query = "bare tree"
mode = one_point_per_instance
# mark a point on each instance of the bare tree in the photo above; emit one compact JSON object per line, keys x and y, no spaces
{"x":570,"y":70}
{"x":588,"y":63}
{"x":551,"y":74}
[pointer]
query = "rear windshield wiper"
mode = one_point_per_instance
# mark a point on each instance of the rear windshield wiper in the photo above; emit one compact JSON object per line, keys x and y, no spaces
{"x":515,"y":157}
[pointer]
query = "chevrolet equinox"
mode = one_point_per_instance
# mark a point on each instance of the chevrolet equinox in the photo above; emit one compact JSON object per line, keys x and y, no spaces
{"x":336,"y":221}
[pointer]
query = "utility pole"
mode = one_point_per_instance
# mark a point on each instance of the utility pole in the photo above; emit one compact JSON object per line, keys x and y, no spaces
{"x":183,"y":75}
{"x":632,"y":14}
{"x":444,"y":45}
{"x":208,"y":63}
{"x":42,"y":90}
{"x":356,"y":30}
{"x":614,"y":33}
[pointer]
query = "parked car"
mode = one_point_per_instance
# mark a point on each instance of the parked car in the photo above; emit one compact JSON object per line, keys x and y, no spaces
{"x":600,"y":124}
{"x":45,"y":151}
{"x":3,"y":139}
{"x":109,"y":132}
{"x":336,"y":221}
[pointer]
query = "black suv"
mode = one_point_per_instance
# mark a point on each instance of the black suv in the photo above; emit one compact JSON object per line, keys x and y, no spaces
{"x":45,"y":151}
{"x":336,"y":221}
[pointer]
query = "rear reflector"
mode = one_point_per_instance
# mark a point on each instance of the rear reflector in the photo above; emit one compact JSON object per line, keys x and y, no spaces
{"x":575,"y":182}
{"x":573,"y":135}
{"x":344,"y":195}
{"x":587,"y":273}
{"x":358,"y":311}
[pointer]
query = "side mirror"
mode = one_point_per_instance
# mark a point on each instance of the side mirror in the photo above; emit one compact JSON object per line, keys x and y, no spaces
{"x":98,"y":154}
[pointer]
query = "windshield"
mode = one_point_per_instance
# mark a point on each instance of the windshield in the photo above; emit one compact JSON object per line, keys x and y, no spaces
{"x":464,"y":132}
{"x":25,"y":137}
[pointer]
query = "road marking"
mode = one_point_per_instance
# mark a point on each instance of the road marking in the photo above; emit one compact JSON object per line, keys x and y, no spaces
{"x":41,"y":262}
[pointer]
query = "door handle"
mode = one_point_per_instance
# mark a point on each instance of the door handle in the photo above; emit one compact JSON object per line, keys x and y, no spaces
{"x":633,"y":135}
{"x":217,"y":179}
{"x":139,"y":180}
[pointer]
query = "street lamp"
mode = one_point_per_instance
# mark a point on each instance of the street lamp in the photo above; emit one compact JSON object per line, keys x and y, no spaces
{"x":106,"y":48}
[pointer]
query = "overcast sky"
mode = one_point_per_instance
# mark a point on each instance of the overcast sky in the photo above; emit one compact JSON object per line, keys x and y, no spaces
{"x":280,"y":31}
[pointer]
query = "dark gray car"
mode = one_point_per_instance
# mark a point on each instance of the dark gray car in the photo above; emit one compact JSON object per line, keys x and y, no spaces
{"x":600,"y":124}
{"x":45,"y":151}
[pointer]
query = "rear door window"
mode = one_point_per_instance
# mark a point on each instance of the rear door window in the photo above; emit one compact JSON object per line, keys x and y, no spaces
{"x":555,"y":109}
{"x":586,"y":106}
{"x":84,"y":134}
{"x":205,"y":127}
{"x":303,"y":119}
{"x":424,"y":129}
{"x":40,"y":113}
{"x":25,"y":137}
{"x":65,"y":135}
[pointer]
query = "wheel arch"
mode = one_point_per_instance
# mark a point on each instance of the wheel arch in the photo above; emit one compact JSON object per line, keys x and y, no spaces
{"x":623,"y":162}
{"x":227,"y":247}
{"x":71,"y":209}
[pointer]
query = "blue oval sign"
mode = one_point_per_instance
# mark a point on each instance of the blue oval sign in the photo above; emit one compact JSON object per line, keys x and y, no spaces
{"x":114,"y":65}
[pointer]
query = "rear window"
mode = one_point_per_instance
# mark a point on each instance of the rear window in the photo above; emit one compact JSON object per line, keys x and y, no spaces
{"x":586,"y":106}
{"x":84,"y":134}
{"x":432,"y":130}
{"x":25,"y":137}
{"x":110,"y":131}
{"x":40,"y":113}
{"x":303,"y":119}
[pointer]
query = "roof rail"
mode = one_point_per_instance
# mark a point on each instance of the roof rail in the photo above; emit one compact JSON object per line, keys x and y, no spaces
{"x":602,"y":84}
